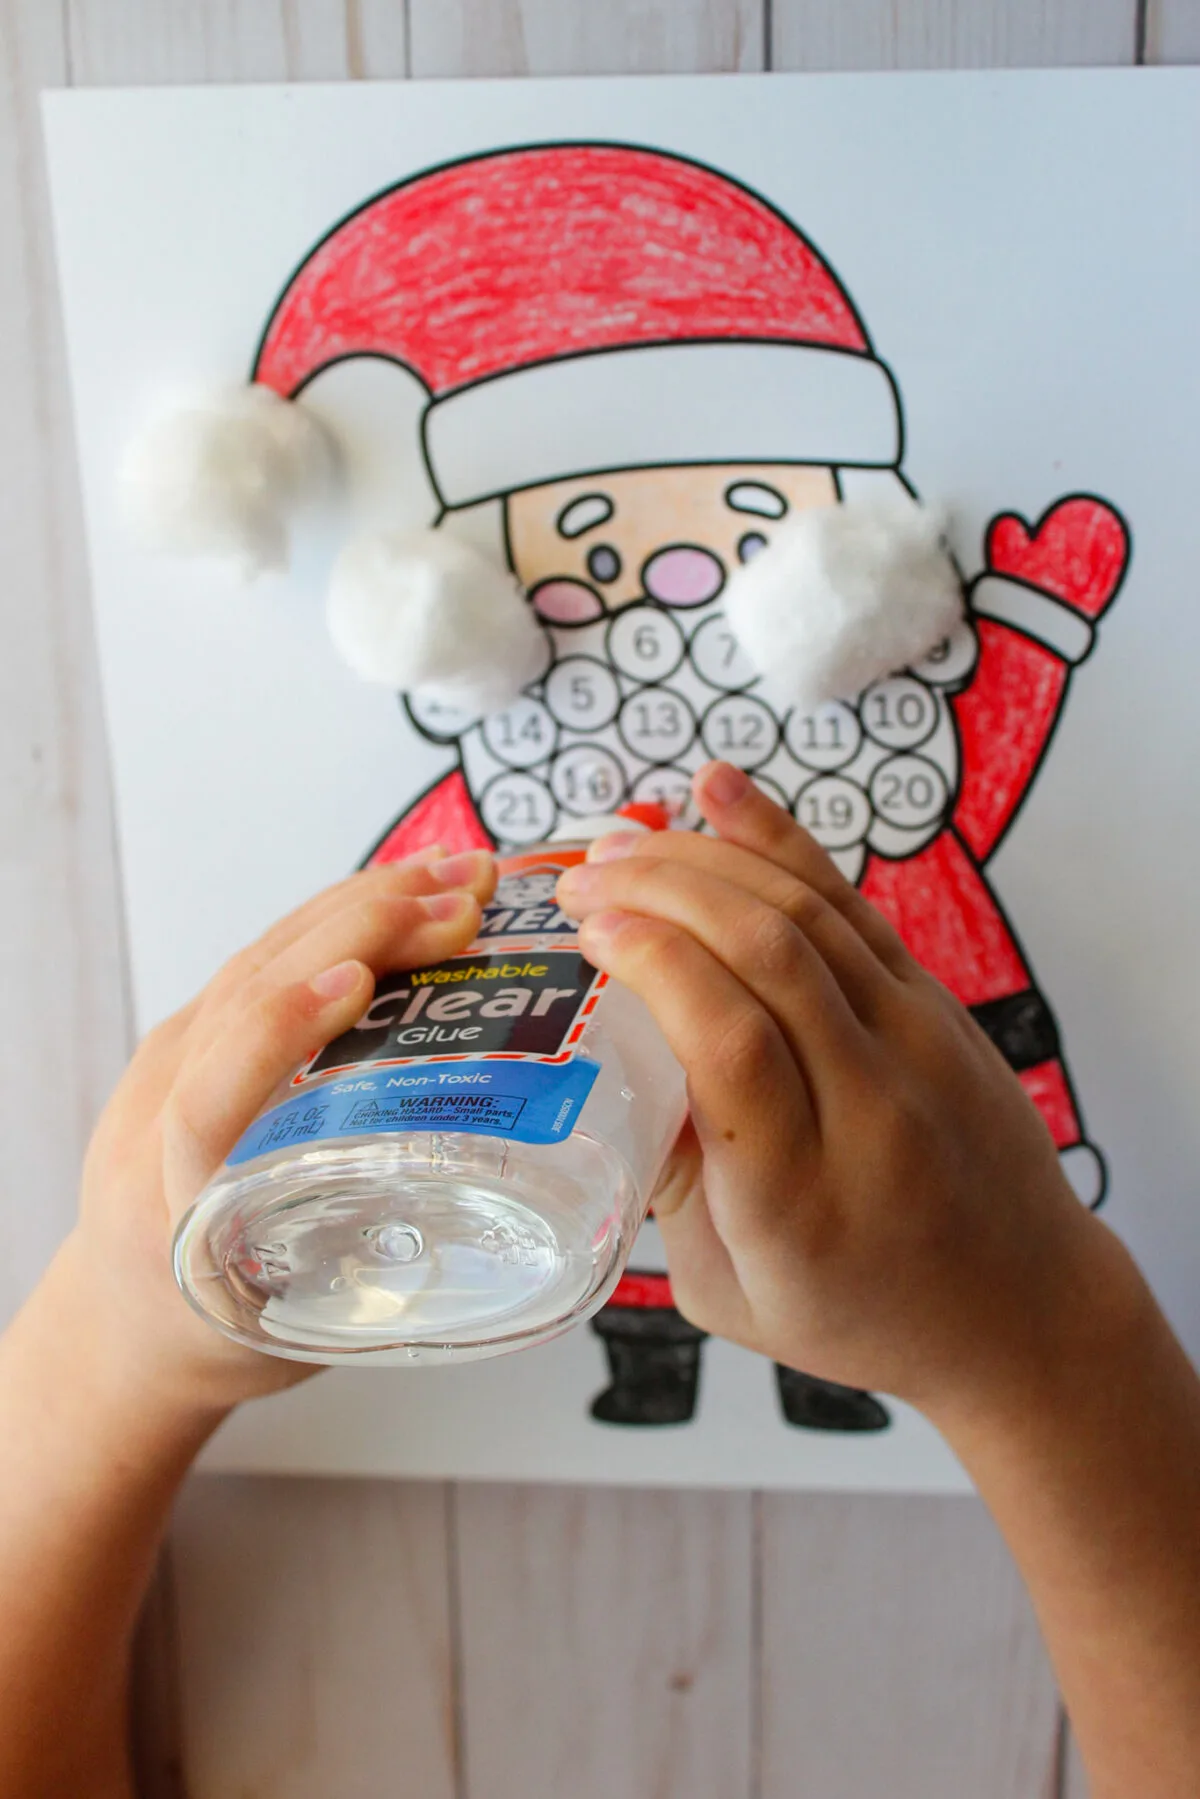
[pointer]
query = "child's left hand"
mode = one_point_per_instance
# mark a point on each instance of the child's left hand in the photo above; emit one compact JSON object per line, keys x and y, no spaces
{"x":197,"y":1083}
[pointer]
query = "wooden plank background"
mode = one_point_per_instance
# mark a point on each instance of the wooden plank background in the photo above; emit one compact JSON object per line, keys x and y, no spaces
{"x":356,"y":1640}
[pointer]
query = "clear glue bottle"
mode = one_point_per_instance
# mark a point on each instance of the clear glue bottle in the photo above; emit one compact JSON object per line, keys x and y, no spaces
{"x":463,"y":1172}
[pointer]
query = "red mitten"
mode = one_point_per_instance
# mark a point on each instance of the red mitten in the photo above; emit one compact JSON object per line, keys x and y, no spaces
{"x":1078,"y":552}
{"x":1036,"y":606}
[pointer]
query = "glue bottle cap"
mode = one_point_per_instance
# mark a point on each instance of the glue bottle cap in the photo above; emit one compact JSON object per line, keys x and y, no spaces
{"x":638,"y":816}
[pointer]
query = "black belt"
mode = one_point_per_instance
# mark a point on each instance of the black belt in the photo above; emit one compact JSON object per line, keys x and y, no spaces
{"x":1022,"y":1027}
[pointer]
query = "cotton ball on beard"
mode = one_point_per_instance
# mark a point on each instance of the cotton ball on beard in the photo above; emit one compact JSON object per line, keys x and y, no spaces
{"x":841,"y":596}
{"x":220,"y":474}
{"x":426,"y":611}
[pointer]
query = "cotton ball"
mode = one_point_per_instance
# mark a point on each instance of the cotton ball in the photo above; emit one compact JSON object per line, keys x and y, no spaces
{"x":841,"y":596}
{"x":426,"y":610}
{"x":221,"y":474}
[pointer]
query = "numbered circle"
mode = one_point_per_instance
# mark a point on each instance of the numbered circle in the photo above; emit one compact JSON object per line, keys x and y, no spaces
{"x":899,"y":713}
{"x":825,"y":738}
{"x":582,"y":693}
{"x":517,"y":809}
{"x":717,"y":656}
{"x":740,"y":730}
{"x":521,"y":735}
{"x":435,"y":718}
{"x":669,"y":787}
{"x":587,"y":779}
{"x":645,"y":643}
{"x":657,"y":724}
{"x":835,"y":810}
{"x":951,"y":660}
{"x":908,"y":792}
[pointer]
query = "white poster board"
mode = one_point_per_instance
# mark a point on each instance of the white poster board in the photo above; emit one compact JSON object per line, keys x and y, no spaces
{"x":1021,"y":252}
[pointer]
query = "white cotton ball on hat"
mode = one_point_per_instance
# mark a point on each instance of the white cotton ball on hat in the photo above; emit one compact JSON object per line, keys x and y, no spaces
{"x":424,"y":611}
{"x":220,"y":474}
{"x":843,"y":595}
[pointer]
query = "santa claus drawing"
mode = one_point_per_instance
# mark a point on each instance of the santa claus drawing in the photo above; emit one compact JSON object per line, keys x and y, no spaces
{"x":623,"y":379}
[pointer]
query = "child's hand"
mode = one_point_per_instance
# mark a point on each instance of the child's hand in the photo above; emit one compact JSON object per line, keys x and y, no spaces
{"x":200,"y":1079}
{"x":864,"y":1190}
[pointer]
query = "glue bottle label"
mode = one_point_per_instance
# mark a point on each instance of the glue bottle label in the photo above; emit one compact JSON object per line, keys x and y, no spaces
{"x":487,"y":1041}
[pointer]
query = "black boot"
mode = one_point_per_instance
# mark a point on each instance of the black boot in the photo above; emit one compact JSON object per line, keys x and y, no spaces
{"x":813,"y":1404}
{"x":654,"y":1364}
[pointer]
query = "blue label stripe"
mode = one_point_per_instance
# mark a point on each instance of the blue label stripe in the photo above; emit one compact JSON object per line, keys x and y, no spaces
{"x":528,"y":1102}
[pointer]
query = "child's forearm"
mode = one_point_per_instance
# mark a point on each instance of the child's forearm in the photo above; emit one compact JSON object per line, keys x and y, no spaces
{"x":108,"y":1383}
{"x":95,"y":1446}
{"x":1091,"y":1467}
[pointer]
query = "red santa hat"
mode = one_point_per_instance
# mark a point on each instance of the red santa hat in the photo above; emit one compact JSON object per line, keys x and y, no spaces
{"x":657,"y":308}
{"x":527,"y":316}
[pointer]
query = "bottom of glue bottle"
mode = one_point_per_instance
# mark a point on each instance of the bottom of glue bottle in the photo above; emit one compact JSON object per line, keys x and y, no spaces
{"x":403,"y":1249}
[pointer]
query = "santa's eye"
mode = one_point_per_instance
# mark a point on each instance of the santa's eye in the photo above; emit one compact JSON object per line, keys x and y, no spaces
{"x":756,"y":497}
{"x":584,"y":514}
{"x":603,"y":563}
{"x":750,"y":545}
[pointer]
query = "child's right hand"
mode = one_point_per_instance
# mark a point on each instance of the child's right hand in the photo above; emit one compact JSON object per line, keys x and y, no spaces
{"x":865,"y":1191}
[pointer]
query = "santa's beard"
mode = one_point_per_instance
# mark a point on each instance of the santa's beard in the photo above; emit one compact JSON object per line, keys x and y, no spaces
{"x":630,"y":706}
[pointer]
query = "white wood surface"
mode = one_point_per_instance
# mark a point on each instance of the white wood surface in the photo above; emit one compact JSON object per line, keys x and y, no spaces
{"x":607,"y":1643}
{"x":60,"y":962}
{"x":1172,"y":31}
{"x":563,"y":37}
{"x":315,"y":1639}
{"x":357,"y":1638}
{"x":940,"y":1689}
{"x":120,"y":42}
{"x":947,"y":34}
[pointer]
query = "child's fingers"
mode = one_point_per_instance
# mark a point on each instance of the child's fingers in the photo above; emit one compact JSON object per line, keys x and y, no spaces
{"x":744,"y":1083}
{"x":144,"y":1085}
{"x":769,"y":954}
{"x":704,"y":1280}
{"x":866,"y":981}
{"x":278,"y":1019}
{"x":473,"y":872}
{"x":158,"y":1057}
{"x":743,"y":815}
{"x":384,"y":929}
{"x":220,"y":1091}
{"x":682,"y":1174}
{"x":398,"y":877}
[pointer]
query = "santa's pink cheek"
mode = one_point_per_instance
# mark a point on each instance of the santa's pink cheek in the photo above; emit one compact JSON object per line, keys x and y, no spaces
{"x":565,"y":602}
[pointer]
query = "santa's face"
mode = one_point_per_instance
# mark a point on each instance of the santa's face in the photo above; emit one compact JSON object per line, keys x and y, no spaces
{"x":644,"y":681}
{"x":588,"y":546}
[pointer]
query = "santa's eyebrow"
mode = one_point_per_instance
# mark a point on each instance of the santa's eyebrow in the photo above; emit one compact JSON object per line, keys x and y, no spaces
{"x":756,"y":497}
{"x":582,"y":514}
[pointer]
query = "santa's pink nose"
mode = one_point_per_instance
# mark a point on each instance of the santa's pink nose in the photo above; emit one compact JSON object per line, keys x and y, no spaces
{"x":683,"y":576}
